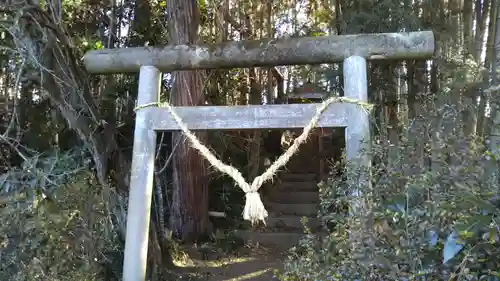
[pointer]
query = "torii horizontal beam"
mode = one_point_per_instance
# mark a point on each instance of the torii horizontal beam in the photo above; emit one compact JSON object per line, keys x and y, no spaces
{"x":244,"y":117}
{"x":264,"y":53}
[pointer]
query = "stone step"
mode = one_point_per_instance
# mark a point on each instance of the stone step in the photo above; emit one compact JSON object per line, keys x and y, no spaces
{"x":294,"y":197}
{"x":292,"y":222}
{"x":298,"y":186}
{"x":305,"y":159}
{"x":280,"y":240}
{"x":301,"y":159}
{"x":299,"y":168}
{"x":297,"y":177}
{"x":308,"y":157}
{"x":308,"y":210}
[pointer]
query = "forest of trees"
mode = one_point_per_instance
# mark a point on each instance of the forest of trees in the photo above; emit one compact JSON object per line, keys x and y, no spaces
{"x":66,"y":137}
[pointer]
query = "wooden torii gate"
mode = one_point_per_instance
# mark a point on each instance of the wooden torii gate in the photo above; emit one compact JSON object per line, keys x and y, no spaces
{"x":353,"y":50}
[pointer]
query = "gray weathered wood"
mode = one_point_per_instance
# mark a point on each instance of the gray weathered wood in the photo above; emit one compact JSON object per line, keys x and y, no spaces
{"x":358,"y":126}
{"x":267,"y":52}
{"x":141,"y":182}
{"x":247,"y":117}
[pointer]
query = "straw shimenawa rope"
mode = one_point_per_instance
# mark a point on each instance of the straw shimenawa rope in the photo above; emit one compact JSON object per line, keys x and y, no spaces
{"x":254,"y":208}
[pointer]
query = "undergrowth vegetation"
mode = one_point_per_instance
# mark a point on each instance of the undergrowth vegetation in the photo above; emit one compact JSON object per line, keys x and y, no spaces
{"x":431,"y":212}
{"x":59,"y":224}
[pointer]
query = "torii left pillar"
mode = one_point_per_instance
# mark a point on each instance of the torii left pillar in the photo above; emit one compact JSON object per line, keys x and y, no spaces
{"x":141,"y":182}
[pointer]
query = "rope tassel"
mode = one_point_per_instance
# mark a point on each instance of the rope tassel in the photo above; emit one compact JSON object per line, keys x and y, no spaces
{"x":254,"y":210}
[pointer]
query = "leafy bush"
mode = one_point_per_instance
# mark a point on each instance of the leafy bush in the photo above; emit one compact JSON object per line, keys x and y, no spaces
{"x":59,"y":227}
{"x":420,"y":220}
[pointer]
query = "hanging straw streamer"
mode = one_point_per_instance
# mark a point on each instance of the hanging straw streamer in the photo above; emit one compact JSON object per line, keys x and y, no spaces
{"x":254,"y":210}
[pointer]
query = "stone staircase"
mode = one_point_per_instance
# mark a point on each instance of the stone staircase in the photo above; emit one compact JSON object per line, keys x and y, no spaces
{"x":294,"y":196}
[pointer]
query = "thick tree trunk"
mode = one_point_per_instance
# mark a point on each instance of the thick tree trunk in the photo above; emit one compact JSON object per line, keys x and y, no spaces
{"x":254,"y":98}
{"x":189,"y":216}
{"x":65,"y":83}
{"x":484,"y":99}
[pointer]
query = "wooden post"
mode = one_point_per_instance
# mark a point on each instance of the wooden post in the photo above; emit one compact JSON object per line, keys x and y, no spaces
{"x":141,"y":183}
{"x":321,"y":152}
{"x":358,"y":124}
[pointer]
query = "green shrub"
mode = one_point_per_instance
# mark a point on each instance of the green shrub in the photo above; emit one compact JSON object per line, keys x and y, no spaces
{"x":434,"y":218}
{"x":59,"y":227}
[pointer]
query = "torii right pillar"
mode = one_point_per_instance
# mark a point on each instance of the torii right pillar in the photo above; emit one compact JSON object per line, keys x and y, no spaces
{"x":357,"y":134}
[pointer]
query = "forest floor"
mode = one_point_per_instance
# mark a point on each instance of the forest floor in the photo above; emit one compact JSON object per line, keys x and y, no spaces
{"x":244,"y":263}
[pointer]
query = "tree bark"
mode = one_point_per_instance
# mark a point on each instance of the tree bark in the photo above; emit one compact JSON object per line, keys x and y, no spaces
{"x":189,"y":216}
{"x":484,"y":99}
{"x":494,"y":131}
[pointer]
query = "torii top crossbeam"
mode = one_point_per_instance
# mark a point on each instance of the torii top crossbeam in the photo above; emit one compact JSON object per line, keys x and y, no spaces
{"x":267,"y":52}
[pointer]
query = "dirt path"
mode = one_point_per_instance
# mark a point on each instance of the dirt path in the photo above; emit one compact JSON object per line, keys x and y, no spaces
{"x":246,"y":263}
